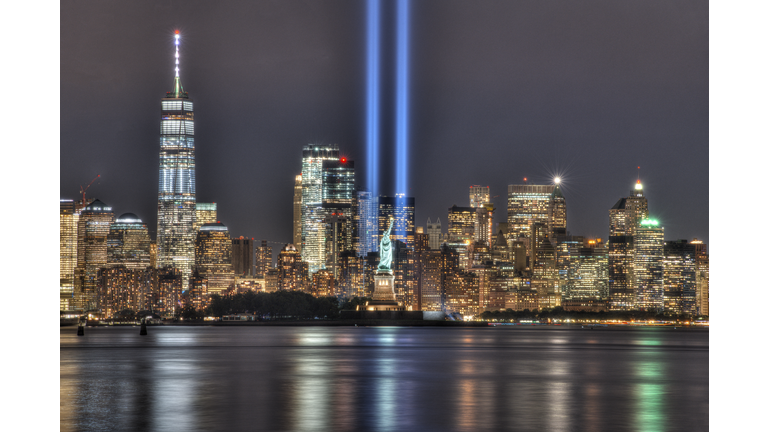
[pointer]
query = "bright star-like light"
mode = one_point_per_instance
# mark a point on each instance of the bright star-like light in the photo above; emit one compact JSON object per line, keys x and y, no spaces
{"x":557,"y":180}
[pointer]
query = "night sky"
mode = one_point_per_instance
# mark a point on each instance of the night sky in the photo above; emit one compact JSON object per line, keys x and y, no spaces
{"x":587,"y":90}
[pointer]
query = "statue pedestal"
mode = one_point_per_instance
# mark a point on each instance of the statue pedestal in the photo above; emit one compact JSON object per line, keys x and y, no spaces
{"x":384,"y":293}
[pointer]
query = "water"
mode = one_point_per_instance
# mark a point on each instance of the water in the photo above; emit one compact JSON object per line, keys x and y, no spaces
{"x":384,"y":379}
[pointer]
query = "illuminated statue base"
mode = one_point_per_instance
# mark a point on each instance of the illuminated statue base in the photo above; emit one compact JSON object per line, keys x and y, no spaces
{"x":384,"y":293}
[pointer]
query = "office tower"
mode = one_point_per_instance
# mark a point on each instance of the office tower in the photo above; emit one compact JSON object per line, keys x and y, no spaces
{"x":587,"y":274}
{"x":213,"y":256}
{"x":461,"y":293}
{"x":435,"y":234}
{"x":176,"y":191}
{"x":500,"y":248}
{"x":479,"y":195}
{"x":702,"y":278}
{"x":484,"y":224}
{"x":649,"y":266}
{"x":403,"y":267}
{"x":92,"y":230}
{"x":526,"y":205}
{"x":544,"y":275}
{"x":205,"y":213}
{"x":263,"y":259}
{"x":621,"y":293}
{"x":68,"y":219}
{"x":431,"y":287}
{"x":366,"y":215}
{"x":461,"y":224}
{"x":338,"y":239}
{"x":403,"y":210}
{"x":169,"y":288}
{"x":289,"y":269}
{"x":128,"y":243}
{"x":272,"y":280}
{"x":242,"y":256}
{"x":557,"y":218}
{"x":636,"y":208}
{"x":323,"y":284}
{"x":339,"y":198}
{"x":312,"y":213}
{"x":420,"y":249}
{"x":563,"y":246}
{"x":297,"y":213}
{"x":617,"y":218}
{"x":680,"y":277}
{"x":351,"y":280}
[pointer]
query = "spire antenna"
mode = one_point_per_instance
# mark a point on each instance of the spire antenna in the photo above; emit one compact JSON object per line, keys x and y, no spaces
{"x":177,"y":52}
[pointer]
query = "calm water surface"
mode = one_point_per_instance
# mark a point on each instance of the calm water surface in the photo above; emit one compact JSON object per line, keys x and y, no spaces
{"x":384,"y":379}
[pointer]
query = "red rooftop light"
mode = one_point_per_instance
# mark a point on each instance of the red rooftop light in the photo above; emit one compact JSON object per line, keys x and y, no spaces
{"x":343,"y":160}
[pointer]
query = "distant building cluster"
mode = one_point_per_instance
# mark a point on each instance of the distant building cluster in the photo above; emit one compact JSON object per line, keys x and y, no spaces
{"x":529,"y":260}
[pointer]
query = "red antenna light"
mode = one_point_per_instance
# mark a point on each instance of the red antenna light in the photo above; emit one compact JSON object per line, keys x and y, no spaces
{"x":343,"y":160}
{"x":525,"y":178}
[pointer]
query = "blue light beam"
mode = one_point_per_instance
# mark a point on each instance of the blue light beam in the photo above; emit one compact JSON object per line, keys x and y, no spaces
{"x":401,"y":152}
{"x":374,"y":8}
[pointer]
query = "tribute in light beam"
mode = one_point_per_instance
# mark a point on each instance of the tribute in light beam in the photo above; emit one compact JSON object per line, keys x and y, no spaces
{"x":401,"y":152}
{"x":374,"y":8}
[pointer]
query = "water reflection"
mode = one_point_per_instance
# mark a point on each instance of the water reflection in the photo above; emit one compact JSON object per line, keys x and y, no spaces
{"x":349,"y":379}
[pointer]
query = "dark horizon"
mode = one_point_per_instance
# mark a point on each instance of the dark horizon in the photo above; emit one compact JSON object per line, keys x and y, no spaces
{"x":498,"y":92}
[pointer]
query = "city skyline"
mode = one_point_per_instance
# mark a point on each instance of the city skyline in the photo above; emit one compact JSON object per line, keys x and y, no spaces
{"x":232,"y":170}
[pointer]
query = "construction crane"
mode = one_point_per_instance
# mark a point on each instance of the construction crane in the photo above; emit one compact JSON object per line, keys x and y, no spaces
{"x":82,"y":190}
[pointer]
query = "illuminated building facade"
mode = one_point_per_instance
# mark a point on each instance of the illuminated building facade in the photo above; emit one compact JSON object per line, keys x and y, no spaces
{"x":636,"y":208}
{"x":545,"y":279}
{"x":289,"y":269}
{"x":168,"y":292}
{"x":461,"y":224}
{"x":323,"y":284}
{"x":587,"y":274}
{"x":68,"y":219}
{"x":213,"y":256}
{"x":198,"y":291}
{"x":128,"y":243}
{"x":617,"y":218}
{"x":649,"y":266}
{"x":338,"y":239}
{"x":680,"y":277}
{"x":242,"y":256}
{"x":176,"y":191}
{"x":263,"y":259}
{"x":123,"y":288}
{"x":403,"y":210}
{"x":557,"y":218}
{"x":92,"y":231}
{"x":205,"y":213}
{"x":702,"y":278}
{"x":484,"y":224}
{"x":435,"y":234}
{"x":351,"y":280}
{"x":312,"y":212}
{"x":621,"y":293}
{"x":526,"y":205}
{"x":297,"y":213}
{"x":366,"y":215}
{"x":479,"y":195}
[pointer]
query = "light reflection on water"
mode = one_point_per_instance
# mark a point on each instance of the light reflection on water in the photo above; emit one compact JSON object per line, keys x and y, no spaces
{"x":394,"y":378}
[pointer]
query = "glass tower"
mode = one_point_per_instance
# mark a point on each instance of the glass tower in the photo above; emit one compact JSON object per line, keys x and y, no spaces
{"x":176,"y":189}
{"x":68,"y":219}
{"x":312,"y":213}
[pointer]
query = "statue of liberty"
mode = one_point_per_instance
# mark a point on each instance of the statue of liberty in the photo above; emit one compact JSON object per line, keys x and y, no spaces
{"x":385,"y":249}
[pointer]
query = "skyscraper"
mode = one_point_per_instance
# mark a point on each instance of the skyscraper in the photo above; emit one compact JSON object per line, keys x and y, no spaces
{"x":128,"y":243}
{"x":680,"y":277}
{"x":312,"y":213}
{"x":621,"y":291}
{"x":289,"y":269}
{"x":649,"y":266}
{"x":297,"y":213}
{"x":213,"y":256}
{"x":484,"y":223}
{"x":587,"y":274}
{"x":242,"y":256}
{"x":435,"y":233}
{"x":702,"y":278}
{"x":366,"y":213}
{"x":557,"y":213}
{"x":479,"y":195}
{"x":92,"y":230}
{"x":636,"y":208}
{"x":205,"y":213}
{"x":263,"y":259}
{"x":526,"y":205}
{"x":176,"y":191}
{"x":67,"y":253}
{"x":339,"y":200}
{"x":461,"y":223}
